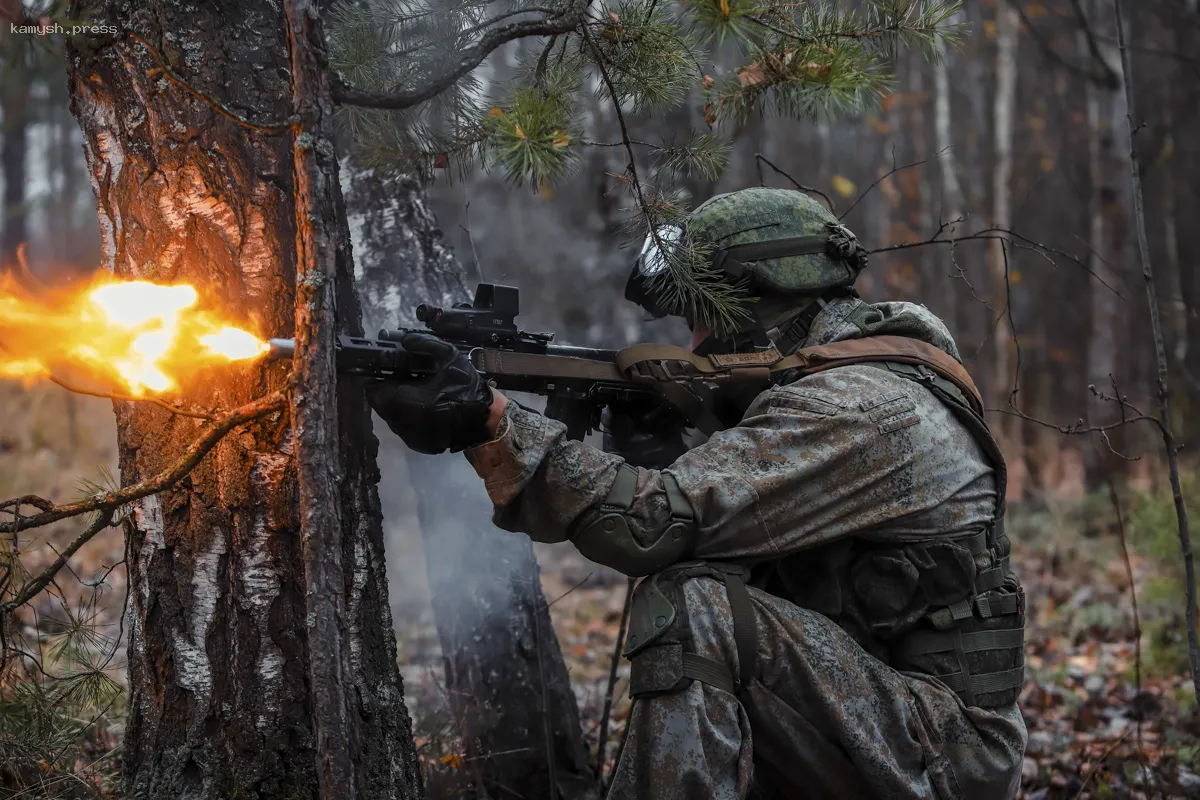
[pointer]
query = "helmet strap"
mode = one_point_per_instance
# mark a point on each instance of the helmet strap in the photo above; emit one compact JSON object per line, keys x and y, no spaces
{"x":793,"y":333}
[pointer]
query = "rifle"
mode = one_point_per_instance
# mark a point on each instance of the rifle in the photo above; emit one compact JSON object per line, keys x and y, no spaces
{"x":577,"y":382}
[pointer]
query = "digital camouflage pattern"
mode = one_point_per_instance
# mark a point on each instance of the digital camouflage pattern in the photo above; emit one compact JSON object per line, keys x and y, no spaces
{"x":763,"y":215}
{"x":856,"y":452}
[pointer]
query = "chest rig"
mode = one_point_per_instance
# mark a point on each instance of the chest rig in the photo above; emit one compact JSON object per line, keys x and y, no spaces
{"x":947,"y":607}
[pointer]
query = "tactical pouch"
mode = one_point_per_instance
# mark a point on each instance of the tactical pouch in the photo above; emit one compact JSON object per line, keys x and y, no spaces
{"x":975,"y":645}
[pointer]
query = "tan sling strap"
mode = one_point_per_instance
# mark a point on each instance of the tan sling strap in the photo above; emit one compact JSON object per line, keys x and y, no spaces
{"x":669,"y":368}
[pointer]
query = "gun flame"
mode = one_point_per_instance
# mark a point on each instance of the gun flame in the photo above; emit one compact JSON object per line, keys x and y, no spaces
{"x":139,"y":336}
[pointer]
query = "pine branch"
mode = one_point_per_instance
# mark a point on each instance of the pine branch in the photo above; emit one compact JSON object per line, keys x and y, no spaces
{"x":560,"y":22}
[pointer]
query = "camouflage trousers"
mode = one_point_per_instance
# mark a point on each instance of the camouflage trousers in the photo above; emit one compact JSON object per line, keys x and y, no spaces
{"x":822,"y":718}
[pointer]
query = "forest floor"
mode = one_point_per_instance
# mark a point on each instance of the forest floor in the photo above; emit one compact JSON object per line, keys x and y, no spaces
{"x":1110,"y":715}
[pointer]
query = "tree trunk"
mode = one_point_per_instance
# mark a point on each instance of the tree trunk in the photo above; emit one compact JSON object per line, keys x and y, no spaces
{"x":952,"y":196}
{"x":503,"y":664}
{"x":1004,"y":379}
{"x":220,"y":659}
{"x":14,"y":104}
{"x":1110,"y":245}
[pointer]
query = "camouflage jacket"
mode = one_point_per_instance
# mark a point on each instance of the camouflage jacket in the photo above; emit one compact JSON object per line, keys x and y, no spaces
{"x":856,"y":451}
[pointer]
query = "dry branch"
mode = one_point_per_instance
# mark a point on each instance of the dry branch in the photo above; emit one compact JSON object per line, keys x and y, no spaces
{"x":31,"y":588}
{"x":110,"y":501}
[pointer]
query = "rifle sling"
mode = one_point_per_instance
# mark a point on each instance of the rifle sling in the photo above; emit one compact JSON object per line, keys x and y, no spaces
{"x":544,"y":365}
{"x":664,"y":365}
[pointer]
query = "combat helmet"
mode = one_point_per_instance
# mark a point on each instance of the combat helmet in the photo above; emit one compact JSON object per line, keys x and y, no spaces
{"x":743,"y":260}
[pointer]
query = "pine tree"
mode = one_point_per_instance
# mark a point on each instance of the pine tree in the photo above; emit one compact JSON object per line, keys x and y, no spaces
{"x":806,"y":61}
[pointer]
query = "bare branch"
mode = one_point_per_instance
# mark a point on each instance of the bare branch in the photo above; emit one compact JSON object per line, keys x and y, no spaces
{"x":557,"y":23}
{"x":129,"y":398}
{"x":110,"y":501}
{"x":31,"y":588}
{"x":760,"y":159}
{"x":1103,"y":78}
{"x":880,"y":180}
{"x":602,"y":742}
{"x":1108,"y":77}
{"x":1014,"y":238}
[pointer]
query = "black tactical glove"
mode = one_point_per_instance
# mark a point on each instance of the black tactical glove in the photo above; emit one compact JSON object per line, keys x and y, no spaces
{"x":448,"y":409}
{"x":645,"y":435}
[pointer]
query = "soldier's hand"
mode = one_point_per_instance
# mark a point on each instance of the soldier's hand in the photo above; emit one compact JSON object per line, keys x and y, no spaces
{"x":646,"y":435}
{"x":445,"y":410}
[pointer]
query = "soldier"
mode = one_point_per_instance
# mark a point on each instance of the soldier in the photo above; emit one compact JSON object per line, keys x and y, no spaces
{"x":828,"y":610}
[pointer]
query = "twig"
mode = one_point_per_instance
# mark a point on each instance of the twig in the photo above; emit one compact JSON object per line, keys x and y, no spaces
{"x":192,"y":456}
{"x":118,"y":396}
{"x":1160,"y":352}
{"x":547,"y":728}
{"x":1109,"y":78}
{"x":1014,"y":238}
{"x":568,"y":591}
{"x":470,"y":237}
{"x":1137,"y":624}
{"x":1103,"y":757}
{"x":630,"y":167}
{"x":271,"y":127}
{"x":183,"y":412}
{"x":1106,"y":79}
{"x":602,"y":741}
{"x":561,"y":22}
{"x":760,"y":158}
{"x":1012,"y":327}
{"x":878,"y":181}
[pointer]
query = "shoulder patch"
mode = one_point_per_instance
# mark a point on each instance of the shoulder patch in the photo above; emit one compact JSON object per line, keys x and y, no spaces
{"x":791,"y":399}
{"x":891,"y":411}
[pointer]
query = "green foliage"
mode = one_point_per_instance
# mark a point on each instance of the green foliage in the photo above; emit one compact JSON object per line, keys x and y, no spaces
{"x":57,"y":703}
{"x":58,"y":696}
{"x":800,"y":60}
{"x":530,"y":137}
{"x":1154,"y":532}
{"x":804,"y":61}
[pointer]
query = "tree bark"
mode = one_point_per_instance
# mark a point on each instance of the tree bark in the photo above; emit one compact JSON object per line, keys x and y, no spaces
{"x":220,"y":655}
{"x":1109,"y":242}
{"x":952,"y":195}
{"x":506,"y":679}
{"x":1004,"y":378}
{"x":14,"y":103}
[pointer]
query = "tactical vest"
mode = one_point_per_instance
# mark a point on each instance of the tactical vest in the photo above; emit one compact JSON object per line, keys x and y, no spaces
{"x":947,"y":607}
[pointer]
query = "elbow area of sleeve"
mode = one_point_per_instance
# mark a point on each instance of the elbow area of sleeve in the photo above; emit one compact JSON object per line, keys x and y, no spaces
{"x":610,"y":540}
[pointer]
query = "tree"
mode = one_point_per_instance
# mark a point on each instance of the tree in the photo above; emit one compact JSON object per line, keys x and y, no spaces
{"x":261,"y":660}
{"x":1004,"y":378}
{"x":225,"y":641}
{"x":505,"y":678}
{"x":14,"y":102}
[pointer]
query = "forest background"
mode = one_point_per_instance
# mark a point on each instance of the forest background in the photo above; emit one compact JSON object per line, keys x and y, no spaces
{"x":1020,"y":134}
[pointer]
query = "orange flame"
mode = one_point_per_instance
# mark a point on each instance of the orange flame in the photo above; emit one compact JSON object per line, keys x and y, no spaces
{"x":136,"y":335}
